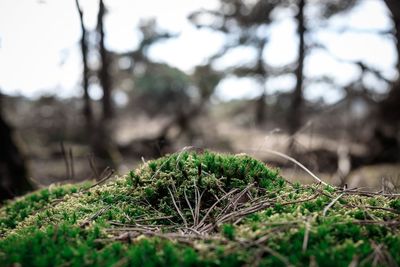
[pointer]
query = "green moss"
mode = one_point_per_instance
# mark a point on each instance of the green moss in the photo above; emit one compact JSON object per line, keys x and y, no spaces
{"x":137,"y":220}
{"x":18,"y":210}
{"x":395,"y":204}
{"x":228,"y":231}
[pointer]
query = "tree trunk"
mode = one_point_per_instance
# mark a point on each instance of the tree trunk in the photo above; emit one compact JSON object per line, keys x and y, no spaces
{"x":87,"y":109}
{"x":13,"y":171}
{"x":103,"y":146}
{"x":104,"y":73}
{"x":394,"y":8}
{"x":385,"y":142}
{"x":296,"y":109}
{"x":261,"y":109}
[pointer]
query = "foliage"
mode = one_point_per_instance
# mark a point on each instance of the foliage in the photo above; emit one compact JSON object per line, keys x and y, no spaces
{"x":161,"y":88}
{"x":200,"y":208}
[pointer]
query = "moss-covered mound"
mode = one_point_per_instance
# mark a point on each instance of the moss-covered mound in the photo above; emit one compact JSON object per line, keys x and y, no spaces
{"x":200,"y":209}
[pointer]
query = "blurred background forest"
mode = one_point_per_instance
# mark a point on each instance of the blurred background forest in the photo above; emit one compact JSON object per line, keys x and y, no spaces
{"x":91,"y":88}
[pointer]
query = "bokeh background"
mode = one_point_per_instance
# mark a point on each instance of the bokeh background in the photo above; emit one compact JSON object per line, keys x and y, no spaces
{"x":90,"y":88}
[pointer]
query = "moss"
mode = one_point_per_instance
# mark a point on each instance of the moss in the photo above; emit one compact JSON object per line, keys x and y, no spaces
{"x":228,"y":231}
{"x":18,"y":210}
{"x":248,"y":214}
{"x":395,"y":204}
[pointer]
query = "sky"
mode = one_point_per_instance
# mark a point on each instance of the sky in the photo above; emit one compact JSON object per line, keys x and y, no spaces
{"x":39,"y":45}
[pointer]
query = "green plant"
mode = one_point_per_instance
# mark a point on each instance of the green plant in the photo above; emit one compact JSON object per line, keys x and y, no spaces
{"x":228,"y":231}
{"x":199,"y":209}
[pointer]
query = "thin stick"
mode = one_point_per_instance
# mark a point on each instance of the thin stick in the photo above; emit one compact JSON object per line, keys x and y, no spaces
{"x":155,"y":218}
{"x":190,"y":206}
{"x":94,"y":216}
{"x":105,"y":172}
{"x":331,"y":204}
{"x":71,"y":163}
{"x":277,"y":255}
{"x":368,"y":193}
{"x":65,"y":159}
{"x":110,"y":173}
{"x":148,"y":219}
{"x":93,"y":166}
{"x":198,"y":197}
{"x":306,"y":235}
{"x":296,"y":162}
{"x":354,"y":261}
{"x":215,"y":204}
{"x":195,"y":202}
{"x":237,"y":197}
{"x":122,"y":262}
{"x":158,"y":170}
{"x":180,"y":154}
{"x":177,"y":208}
{"x":392,"y":223}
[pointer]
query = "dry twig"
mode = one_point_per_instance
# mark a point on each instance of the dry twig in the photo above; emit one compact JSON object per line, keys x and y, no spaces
{"x":331,"y":204}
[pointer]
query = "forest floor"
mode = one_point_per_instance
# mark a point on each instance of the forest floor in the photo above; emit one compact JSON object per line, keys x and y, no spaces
{"x":317,"y":152}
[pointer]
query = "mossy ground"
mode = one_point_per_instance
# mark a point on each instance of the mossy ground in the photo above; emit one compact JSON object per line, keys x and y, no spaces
{"x":200,"y":209}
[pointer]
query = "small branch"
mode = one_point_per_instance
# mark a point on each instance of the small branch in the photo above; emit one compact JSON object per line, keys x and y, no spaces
{"x":107,"y":176}
{"x":374,"y":208}
{"x":214,"y":205}
{"x":190,"y":206}
{"x":277,"y":255}
{"x":155,"y":219}
{"x":367,"y":193}
{"x":331,"y":204}
{"x":296,"y":162}
{"x":177,"y":208}
{"x":198,"y":204}
{"x":306,"y":235}
{"x":392,"y":223}
{"x":93,"y":166}
{"x":94,"y":216}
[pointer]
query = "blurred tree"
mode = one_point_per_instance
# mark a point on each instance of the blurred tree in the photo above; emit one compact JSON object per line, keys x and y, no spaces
{"x":13,"y":171}
{"x":244,"y":22}
{"x":204,"y":80}
{"x":386,"y":139}
{"x":160,"y":89}
{"x":98,"y":133}
{"x":295,"y":115}
{"x":394,"y":8}
{"x":105,"y":59}
{"x":102,"y":143}
{"x":87,"y":110}
{"x":326,"y":10}
{"x":384,"y":144}
{"x":151,"y":34}
{"x":153,"y":87}
{"x":137,"y":65}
